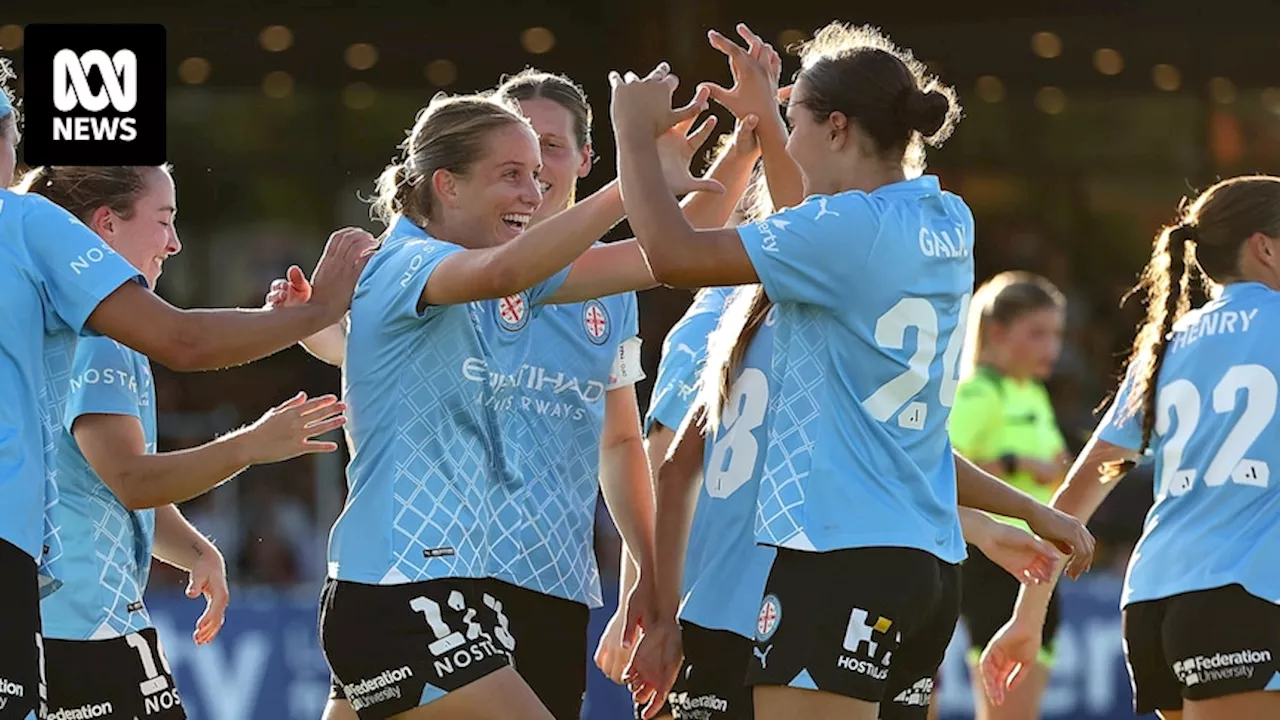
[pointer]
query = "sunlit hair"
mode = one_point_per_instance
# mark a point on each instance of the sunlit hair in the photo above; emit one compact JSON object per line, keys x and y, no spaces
{"x":859,"y":72}
{"x":448,"y":134}
{"x":1206,"y":240}
{"x":81,"y":190}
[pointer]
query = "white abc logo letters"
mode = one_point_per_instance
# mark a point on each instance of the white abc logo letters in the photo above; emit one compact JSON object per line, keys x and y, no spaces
{"x":71,"y":91}
{"x":71,"y":81}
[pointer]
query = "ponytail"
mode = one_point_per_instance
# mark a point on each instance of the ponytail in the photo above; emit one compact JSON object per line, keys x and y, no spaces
{"x":1166,"y":283}
{"x":743,"y":315}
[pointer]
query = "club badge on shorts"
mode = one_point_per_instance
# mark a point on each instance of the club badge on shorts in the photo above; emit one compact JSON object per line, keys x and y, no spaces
{"x":770,"y":616}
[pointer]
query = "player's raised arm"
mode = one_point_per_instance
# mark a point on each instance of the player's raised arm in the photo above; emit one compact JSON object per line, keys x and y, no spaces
{"x":211,"y":339}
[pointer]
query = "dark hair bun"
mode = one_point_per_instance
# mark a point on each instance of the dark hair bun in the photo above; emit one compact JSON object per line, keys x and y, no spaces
{"x":926,"y":112}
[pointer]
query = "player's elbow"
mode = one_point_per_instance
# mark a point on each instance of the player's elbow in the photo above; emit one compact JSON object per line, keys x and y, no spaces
{"x":129,"y":486}
{"x":184,"y":347}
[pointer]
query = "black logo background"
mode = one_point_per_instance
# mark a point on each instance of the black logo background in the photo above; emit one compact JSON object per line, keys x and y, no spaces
{"x":43,"y":41}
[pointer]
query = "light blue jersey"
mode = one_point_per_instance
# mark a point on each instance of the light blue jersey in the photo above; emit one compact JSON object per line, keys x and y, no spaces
{"x":53,"y":273}
{"x":106,"y":547}
{"x":425,"y":395}
{"x":543,"y":538}
{"x":725,"y":570}
{"x":684,"y":352}
{"x":872,"y":289}
{"x":1216,"y":517}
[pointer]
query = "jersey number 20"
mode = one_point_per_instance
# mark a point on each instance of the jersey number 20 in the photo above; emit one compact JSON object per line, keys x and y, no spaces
{"x":902,"y":392}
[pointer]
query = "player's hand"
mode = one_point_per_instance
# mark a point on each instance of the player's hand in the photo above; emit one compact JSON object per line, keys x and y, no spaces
{"x":676,"y":148}
{"x":293,"y":289}
{"x":756,"y":70}
{"x":612,"y":655}
{"x":655,"y":665}
{"x":641,"y":107}
{"x":209,"y":578}
{"x":744,"y":141}
{"x":1012,"y":650}
{"x":1021,"y":554}
{"x":333,"y":282}
{"x":1068,"y":534}
{"x":287,"y":430}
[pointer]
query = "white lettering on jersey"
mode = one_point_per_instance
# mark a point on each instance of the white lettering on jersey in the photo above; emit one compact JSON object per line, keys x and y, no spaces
{"x":1223,"y":322}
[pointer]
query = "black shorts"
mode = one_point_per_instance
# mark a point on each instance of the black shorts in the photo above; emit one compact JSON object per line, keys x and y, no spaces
{"x":1199,"y":646}
{"x":395,"y":647}
{"x":867,"y":623}
{"x":124,"y":677}
{"x":551,"y":645}
{"x":713,"y":680}
{"x":987,"y":595}
{"x":21,"y":689}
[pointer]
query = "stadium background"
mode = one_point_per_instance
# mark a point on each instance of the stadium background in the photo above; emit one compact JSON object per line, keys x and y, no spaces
{"x":1086,"y":122}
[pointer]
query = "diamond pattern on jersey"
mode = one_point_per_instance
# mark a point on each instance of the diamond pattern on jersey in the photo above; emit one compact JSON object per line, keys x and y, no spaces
{"x":794,"y":412}
{"x":439,"y":474}
{"x":59,"y":351}
{"x":115,"y":546}
{"x":545,"y":527}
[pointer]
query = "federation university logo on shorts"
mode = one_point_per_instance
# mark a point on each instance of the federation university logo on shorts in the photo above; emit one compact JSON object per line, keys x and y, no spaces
{"x":595,"y":320}
{"x":94,"y":95}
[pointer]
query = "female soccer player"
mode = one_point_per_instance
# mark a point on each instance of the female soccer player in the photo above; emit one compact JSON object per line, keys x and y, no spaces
{"x":711,"y":553}
{"x":575,"y":421}
{"x":1201,"y":622}
{"x":434,"y":368}
{"x":1003,"y":420}
{"x":872,"y":272}
{"x":115,"y":505}
{"x":59,"y":280}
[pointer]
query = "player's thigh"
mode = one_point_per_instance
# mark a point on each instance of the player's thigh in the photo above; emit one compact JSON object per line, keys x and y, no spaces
{"x":838,"y":623}
{"x":338,"y":709}
{"x":776,"y":702}
{"x":551,"y":651}
{"x":500,"y":695}
{"x":129,"y":677}
{"x":1257,"y":705}
{"x":19,"y":633}
{"x":394,"y":648}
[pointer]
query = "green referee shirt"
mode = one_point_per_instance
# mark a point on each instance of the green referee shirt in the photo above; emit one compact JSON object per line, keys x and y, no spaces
{"x":996,"y":415}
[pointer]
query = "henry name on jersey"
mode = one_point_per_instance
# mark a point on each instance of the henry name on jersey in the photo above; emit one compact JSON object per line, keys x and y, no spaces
{"x":1209,"y":322}
{"x":536,"y":379}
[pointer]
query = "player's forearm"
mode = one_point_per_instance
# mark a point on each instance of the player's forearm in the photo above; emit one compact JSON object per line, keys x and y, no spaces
{"x":677,"y":491}
{"x":328,"y":345}
{"x":624,"y":481}
{"x":155,"y":479}
{"x":711,"y":210}
{"x":975,"y":525}
{"x":177,"y":541}
{"x":657,"y":220}
{"x":216,"y":339}
{"x":553,"y":244}
{"x":629,"y":571}
{"x":786,"y":184}
{"x":979,"y":489}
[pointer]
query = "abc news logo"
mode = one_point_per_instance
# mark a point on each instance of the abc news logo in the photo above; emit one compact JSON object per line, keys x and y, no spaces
{"x":95,"y":95}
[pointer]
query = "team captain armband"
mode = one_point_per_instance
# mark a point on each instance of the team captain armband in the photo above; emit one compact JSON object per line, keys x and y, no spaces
{"x":626,"y":368}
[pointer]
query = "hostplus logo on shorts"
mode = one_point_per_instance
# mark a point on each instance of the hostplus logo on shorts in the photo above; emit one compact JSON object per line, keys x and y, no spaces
{"x":95,"y":95}
{"x":1219,"y":666}
{"x":869,"y":644}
